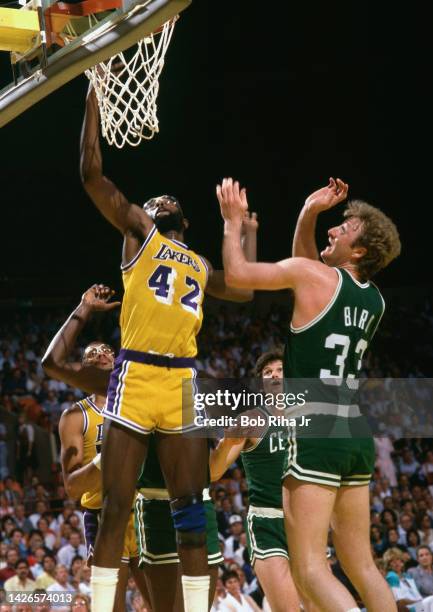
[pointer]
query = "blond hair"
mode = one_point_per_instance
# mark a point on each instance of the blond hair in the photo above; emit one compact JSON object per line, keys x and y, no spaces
{"x":391,"y":555}
{"x":379,"y":237}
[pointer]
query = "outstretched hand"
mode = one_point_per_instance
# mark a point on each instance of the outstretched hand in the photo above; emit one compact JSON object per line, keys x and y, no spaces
{"x":233,"y":200}
{"x":250,"y":223}
{"x":327,"y":197}
{"x":96,"y":298}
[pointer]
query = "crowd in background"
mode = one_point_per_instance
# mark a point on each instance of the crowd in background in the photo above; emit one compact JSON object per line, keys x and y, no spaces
{"x":42,"y":543}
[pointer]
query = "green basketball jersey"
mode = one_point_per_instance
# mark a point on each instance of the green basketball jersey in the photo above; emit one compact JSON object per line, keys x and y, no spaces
{"x":328,"y":351}
{"x":263,"y":464}
{"x":332,"y":345}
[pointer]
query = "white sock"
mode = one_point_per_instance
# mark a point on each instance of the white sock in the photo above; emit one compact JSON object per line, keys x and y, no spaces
{"x":103,"y":583}
{"x":195,"y":593}
{"x":354,"y":610}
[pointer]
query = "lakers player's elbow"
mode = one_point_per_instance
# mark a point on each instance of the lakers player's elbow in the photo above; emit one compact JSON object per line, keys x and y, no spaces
{"x":48,"y":364}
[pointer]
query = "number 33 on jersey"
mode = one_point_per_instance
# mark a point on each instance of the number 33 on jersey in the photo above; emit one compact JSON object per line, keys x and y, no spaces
{"x":162,"y":306}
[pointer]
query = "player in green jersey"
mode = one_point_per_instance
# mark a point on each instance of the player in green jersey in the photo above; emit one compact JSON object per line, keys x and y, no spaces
{"x":263,"y":460}
{"x":336,"y":312}
{"x":156,"y":537}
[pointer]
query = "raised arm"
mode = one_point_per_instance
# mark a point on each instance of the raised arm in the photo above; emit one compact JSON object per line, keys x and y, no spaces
{"x":222,"y":457}
{"x":128,"y":218}
{"x":304,"y":240}
{"x":55,"y":361}
{"x":77,"y":478}
{"x":288,"y":273}
{"x":216,"y":286}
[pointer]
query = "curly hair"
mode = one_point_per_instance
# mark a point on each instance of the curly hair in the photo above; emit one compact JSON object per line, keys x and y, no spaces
{"x":379,"y":237}
{"x":268,"y":357}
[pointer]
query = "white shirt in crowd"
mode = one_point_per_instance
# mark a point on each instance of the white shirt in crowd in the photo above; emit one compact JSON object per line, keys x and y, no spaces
{"x":58,"y":588}
{"x":231,"y":604}
{"x":68,"y":552}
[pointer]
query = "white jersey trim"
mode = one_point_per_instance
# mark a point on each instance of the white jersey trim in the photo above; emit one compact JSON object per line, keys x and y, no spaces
{"x":270,"y":513}
{"x":362,"y":285}
{"x":130,"y":264}
{"x":297,"y":330}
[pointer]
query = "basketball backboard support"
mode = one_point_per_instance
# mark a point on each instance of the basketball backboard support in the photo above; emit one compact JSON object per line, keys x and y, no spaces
{"x":117,"y":31}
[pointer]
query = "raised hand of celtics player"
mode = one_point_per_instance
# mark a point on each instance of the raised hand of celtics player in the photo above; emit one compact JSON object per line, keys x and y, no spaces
{"x":327,"y":197}
{"x":250,"y":223}
{"x":97,"y":298}
{"x":233,"y":201}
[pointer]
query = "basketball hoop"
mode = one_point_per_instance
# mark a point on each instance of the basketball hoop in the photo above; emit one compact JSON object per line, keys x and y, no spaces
{"x":127,"y":87}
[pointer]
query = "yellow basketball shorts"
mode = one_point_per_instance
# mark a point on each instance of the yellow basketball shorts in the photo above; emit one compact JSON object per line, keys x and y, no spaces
{"x":149,"y":392}
{"x":91,"y":525}
{"x":130,"y":548}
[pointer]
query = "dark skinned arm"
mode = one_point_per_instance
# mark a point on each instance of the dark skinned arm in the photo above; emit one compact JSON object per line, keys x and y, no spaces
{"x":78,"y":478}
{"x":88,"y":378}
{"x":128,"y":218}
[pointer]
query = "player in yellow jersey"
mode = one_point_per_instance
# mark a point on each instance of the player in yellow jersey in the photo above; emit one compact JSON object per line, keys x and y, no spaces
{"x":81,"y":431}
{"x":161,"y":315}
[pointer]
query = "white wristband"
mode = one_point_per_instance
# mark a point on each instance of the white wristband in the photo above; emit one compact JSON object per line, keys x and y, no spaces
{"x":97,"y":461}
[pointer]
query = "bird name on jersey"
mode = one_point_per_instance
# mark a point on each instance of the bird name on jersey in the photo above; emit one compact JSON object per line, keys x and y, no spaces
{"x":167,"y":253}
{"x":352,"y":318}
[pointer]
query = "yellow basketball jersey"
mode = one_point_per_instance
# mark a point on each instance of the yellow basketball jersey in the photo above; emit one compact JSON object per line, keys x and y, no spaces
{"x":92,"y":434}
{"x":162,"y":306}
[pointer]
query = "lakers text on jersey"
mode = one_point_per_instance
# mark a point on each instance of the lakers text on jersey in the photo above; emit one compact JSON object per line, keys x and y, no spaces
{"x":151,"y":386}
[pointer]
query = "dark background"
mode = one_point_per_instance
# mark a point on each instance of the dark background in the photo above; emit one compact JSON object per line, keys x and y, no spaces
{"x":278,"y":98}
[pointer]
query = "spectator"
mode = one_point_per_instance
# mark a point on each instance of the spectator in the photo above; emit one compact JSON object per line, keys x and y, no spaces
{"x":16,"y":539}
{"x":426,"y":530}
{"x":43,"y":606}
{"x":48,"y":534}
{"x":80,"y":603}
{"x":21,"y":581}
{"x":388,"y":518}
{"x":9,"y":570}
{"x":84,"y":586}
{"x":75,"y":571}
{"x":61,"y":585}
{"x":377,"y":539}
{"x":11,"y":491}
{"x":423,"y":573}
{"x":219,"y":595}
{"x":21,"y":520}
{"x":8,"y":525}
{"x":402,"y":584}
{"x":36,"y":561}
{"x":392,"y":540}
{"x":234,"y":601}
{"x":412,"y":542}
{"x":406,"y":523}
{"x":35,"y":541}
{"x":47,"y":577}
{"x":41,"y":507}
{"x":71,"y":550}
{"x":223,"y":517}
{"x":233,"y":541}
{"x":407,"y":464}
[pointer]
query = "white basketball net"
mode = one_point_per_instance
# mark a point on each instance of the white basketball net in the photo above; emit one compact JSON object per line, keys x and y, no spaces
{"x":127,"y":98}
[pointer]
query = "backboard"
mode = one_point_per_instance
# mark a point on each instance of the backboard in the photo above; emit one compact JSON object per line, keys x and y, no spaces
{"x":67,"y":39}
